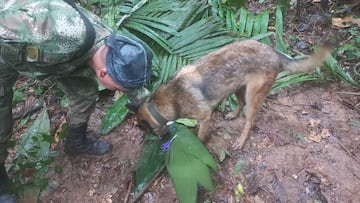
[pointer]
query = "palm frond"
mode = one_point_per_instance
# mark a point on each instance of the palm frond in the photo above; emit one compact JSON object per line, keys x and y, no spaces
{"x":177,"y":31}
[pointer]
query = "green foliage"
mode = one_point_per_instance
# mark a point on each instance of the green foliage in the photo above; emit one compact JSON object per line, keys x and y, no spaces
{"x":188,"y":162}
{"x":350,"y":51}
{"x":243,"y":23}
{"x":355,"y":122}
{"x":34,"y":153}
{"x":64,"y":102}
{"x":234,"y":3}
{"x":284,"y":80}
{"x":38,"y":91}
{"x":23,"y":122}
{"x":280,"y":45}
{"x":19,"y":92}
{"x":283,"y":5}
{"x":339,"y":73}
{"x":150,"y":164}
{"x":114,"y":115}
{"x":187,"y":122}
{"x":230,"y":103}
{"x":222,"y":153}
{"x":238,"y":166}
{"x":18,"y":97}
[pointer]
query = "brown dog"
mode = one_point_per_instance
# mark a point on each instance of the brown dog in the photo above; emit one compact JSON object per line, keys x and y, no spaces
{"x":247,"y":68}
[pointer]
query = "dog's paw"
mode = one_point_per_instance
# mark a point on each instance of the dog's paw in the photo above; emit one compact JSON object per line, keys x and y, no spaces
{"x":238,"y":144}
{"x":231,"y":116}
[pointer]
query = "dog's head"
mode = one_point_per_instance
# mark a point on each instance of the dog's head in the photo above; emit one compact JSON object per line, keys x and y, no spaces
{"x":150,"y":120}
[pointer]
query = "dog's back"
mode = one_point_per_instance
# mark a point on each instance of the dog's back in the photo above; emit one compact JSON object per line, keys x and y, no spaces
{"x":229,"y":68}
{"x":220,"y":73}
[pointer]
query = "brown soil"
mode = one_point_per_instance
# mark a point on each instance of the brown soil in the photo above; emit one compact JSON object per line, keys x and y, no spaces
{"x":301,"y":149}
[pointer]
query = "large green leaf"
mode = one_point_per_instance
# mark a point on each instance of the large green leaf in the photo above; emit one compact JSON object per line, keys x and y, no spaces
{"x":243,"y":20}
{"x":284,"y":80}
{"x":34,"y":152}
{"x":192,"y":145}
{"x":339,"y":73}
{"x":150,"y":164}
{"x":264,"y":25}
{"x":114,"y":115}
{"x":188,"y":164}
{"x":182,"y":168}
{"x":35,"y":144}
{"x":280,"y":44}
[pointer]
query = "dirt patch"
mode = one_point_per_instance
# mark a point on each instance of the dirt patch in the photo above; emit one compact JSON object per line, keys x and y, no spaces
{"x":301,"y":150}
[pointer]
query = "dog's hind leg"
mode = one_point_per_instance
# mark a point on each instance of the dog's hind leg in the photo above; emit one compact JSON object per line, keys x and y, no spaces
{"x":256,"y":92}
{"x":240,"y":95}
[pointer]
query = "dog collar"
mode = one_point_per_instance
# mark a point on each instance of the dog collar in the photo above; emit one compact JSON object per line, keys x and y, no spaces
{"x":155,"y":114}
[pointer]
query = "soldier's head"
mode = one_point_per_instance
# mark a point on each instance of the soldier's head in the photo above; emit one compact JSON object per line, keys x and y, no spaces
{"x":123,"y":63}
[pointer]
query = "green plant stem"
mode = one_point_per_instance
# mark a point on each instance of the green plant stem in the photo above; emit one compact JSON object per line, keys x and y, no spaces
{"x":135,"y":8}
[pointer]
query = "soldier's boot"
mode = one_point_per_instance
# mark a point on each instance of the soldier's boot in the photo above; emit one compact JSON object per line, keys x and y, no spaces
{"x":4,"y":186}
{"x":77,"y":142}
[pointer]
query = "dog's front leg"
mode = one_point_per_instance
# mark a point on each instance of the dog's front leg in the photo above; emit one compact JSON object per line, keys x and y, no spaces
{"x":204,"y":128}
{"x":240,"y":142}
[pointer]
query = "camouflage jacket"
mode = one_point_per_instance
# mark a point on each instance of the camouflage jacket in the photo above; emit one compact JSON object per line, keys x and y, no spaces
{"x":53,"y":26}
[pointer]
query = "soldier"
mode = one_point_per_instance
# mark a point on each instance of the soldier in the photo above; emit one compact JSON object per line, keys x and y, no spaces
{"x":58,"y":40}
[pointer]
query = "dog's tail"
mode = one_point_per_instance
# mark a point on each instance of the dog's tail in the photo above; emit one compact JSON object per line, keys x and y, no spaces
{"x":310,"y":63}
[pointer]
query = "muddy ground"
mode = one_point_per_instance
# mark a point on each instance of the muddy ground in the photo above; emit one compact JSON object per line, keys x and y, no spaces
{"x":302,"y":148}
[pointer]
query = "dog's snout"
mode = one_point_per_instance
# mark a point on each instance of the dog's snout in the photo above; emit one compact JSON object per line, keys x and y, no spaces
{"x":143,"y":125}
{"x":161,"y":131}
{"x":146,"y":127}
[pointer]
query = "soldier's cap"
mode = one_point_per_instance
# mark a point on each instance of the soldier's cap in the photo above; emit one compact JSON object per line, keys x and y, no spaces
{"x":128,"y":61}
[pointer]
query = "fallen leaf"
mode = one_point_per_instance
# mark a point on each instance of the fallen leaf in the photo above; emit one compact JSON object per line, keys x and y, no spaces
{"x":345,"y":22}
{"x":325,"y":133}
{"x":91,"y":192}
{"x":314,"y":137}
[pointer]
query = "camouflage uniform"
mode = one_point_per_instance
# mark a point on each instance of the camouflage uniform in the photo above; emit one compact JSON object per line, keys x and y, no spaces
{"x":55,"y":28}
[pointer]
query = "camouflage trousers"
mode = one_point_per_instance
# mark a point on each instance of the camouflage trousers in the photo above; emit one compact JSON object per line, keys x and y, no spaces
{"x":81,"y":89}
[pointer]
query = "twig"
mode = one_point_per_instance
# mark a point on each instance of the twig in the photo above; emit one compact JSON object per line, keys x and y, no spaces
{"x":349,"y":93}
{"x":128,"y":191}
{"x":348,"y":151}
